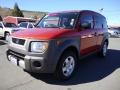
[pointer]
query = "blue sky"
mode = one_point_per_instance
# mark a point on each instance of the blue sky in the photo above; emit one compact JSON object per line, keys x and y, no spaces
{"x":111,"y":7}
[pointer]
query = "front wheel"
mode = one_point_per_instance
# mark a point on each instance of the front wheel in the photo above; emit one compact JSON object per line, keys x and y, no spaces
{"x":66,"y":66}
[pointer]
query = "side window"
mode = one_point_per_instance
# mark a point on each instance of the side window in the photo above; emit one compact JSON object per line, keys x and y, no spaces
{"x":86,"y":21}
{"x":30,"y":26}
{"x":23,"y":24}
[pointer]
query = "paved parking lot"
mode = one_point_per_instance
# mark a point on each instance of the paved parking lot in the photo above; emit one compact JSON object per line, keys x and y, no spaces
{"x":93,"y":73}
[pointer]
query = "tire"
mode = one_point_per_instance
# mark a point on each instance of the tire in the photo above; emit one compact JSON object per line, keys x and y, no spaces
{"x":6,"y":36}
{"x":66,"y":66}
{"x":103,"y":51}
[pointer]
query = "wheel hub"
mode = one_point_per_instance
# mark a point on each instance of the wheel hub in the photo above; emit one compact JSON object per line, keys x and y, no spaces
{"x":68,"y":66}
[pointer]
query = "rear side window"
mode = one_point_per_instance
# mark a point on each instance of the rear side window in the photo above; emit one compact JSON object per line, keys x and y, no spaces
{"x":86,"y":21}
{"x":105,"y":23}
{"x":100,"y":22}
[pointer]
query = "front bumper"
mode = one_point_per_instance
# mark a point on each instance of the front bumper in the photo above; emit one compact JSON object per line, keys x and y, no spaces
{"x":34,"y":62}
{"x":29,"y":63}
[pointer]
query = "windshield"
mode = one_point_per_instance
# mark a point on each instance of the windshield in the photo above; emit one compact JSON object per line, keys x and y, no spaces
{"x":64,"y":20}
{"x":10,"y":25}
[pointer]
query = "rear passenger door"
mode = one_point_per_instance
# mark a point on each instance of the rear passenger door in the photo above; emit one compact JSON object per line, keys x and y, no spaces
{"x":100,"y":26}
{"x":87,"y":34}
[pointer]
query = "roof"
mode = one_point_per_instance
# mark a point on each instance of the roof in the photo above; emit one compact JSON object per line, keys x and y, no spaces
{"x":74,"y":11}
{"x":78,"y":11}
{"x":18,"y":17}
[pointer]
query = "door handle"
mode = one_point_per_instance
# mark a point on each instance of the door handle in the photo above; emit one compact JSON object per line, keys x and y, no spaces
{"x":95,"y":34}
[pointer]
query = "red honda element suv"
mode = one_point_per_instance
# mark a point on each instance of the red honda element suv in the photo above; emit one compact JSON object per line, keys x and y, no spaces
{"x":58,"y":41}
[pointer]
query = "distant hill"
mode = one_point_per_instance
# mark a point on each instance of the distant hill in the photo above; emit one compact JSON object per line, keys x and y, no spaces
{"x":29,"y":14}
{"x":5,"y":11}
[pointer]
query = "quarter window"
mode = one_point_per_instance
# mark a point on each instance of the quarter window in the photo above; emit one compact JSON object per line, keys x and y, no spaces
{"x":100,"y":22}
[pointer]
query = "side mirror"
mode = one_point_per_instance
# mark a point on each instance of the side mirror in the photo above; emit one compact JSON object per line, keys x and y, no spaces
{"x":85,"y":25}
{"x":1,"y":27}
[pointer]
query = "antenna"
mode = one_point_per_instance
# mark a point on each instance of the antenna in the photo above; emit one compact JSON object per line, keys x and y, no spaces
{"x":101,"y":10}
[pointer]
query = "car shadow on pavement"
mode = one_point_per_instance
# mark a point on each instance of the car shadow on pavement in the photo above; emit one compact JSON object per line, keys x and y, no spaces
{"x":90,"y":69}
{"x":2,"y":42}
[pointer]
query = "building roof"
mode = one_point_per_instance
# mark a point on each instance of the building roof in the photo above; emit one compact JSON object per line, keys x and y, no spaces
{"x":19,"y":18}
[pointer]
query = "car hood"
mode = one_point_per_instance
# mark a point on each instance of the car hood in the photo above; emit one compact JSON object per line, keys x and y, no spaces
{"x":11,"y":28}
{"x":42,"y":33}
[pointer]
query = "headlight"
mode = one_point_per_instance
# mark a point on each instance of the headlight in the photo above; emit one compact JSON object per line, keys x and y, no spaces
{"x":38,"y":47}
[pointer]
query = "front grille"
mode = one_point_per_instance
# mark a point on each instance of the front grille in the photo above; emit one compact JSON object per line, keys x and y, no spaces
{"x":18,"y":41}
{"x":16,"y":54}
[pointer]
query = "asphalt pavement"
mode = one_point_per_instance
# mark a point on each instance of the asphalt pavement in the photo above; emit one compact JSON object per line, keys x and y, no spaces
{"x":93,"y":73}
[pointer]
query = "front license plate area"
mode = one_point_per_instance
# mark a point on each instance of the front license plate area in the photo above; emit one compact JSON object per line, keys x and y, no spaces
{"x":16,"y":61}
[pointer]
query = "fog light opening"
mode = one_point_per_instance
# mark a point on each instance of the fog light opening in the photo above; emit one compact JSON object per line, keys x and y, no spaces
{"x":36,"y":64}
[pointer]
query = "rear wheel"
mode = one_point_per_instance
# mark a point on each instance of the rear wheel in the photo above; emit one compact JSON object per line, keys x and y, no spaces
{"x":103,"y":51}
{"x":109,"y":35}
{"x":66,"y":66}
